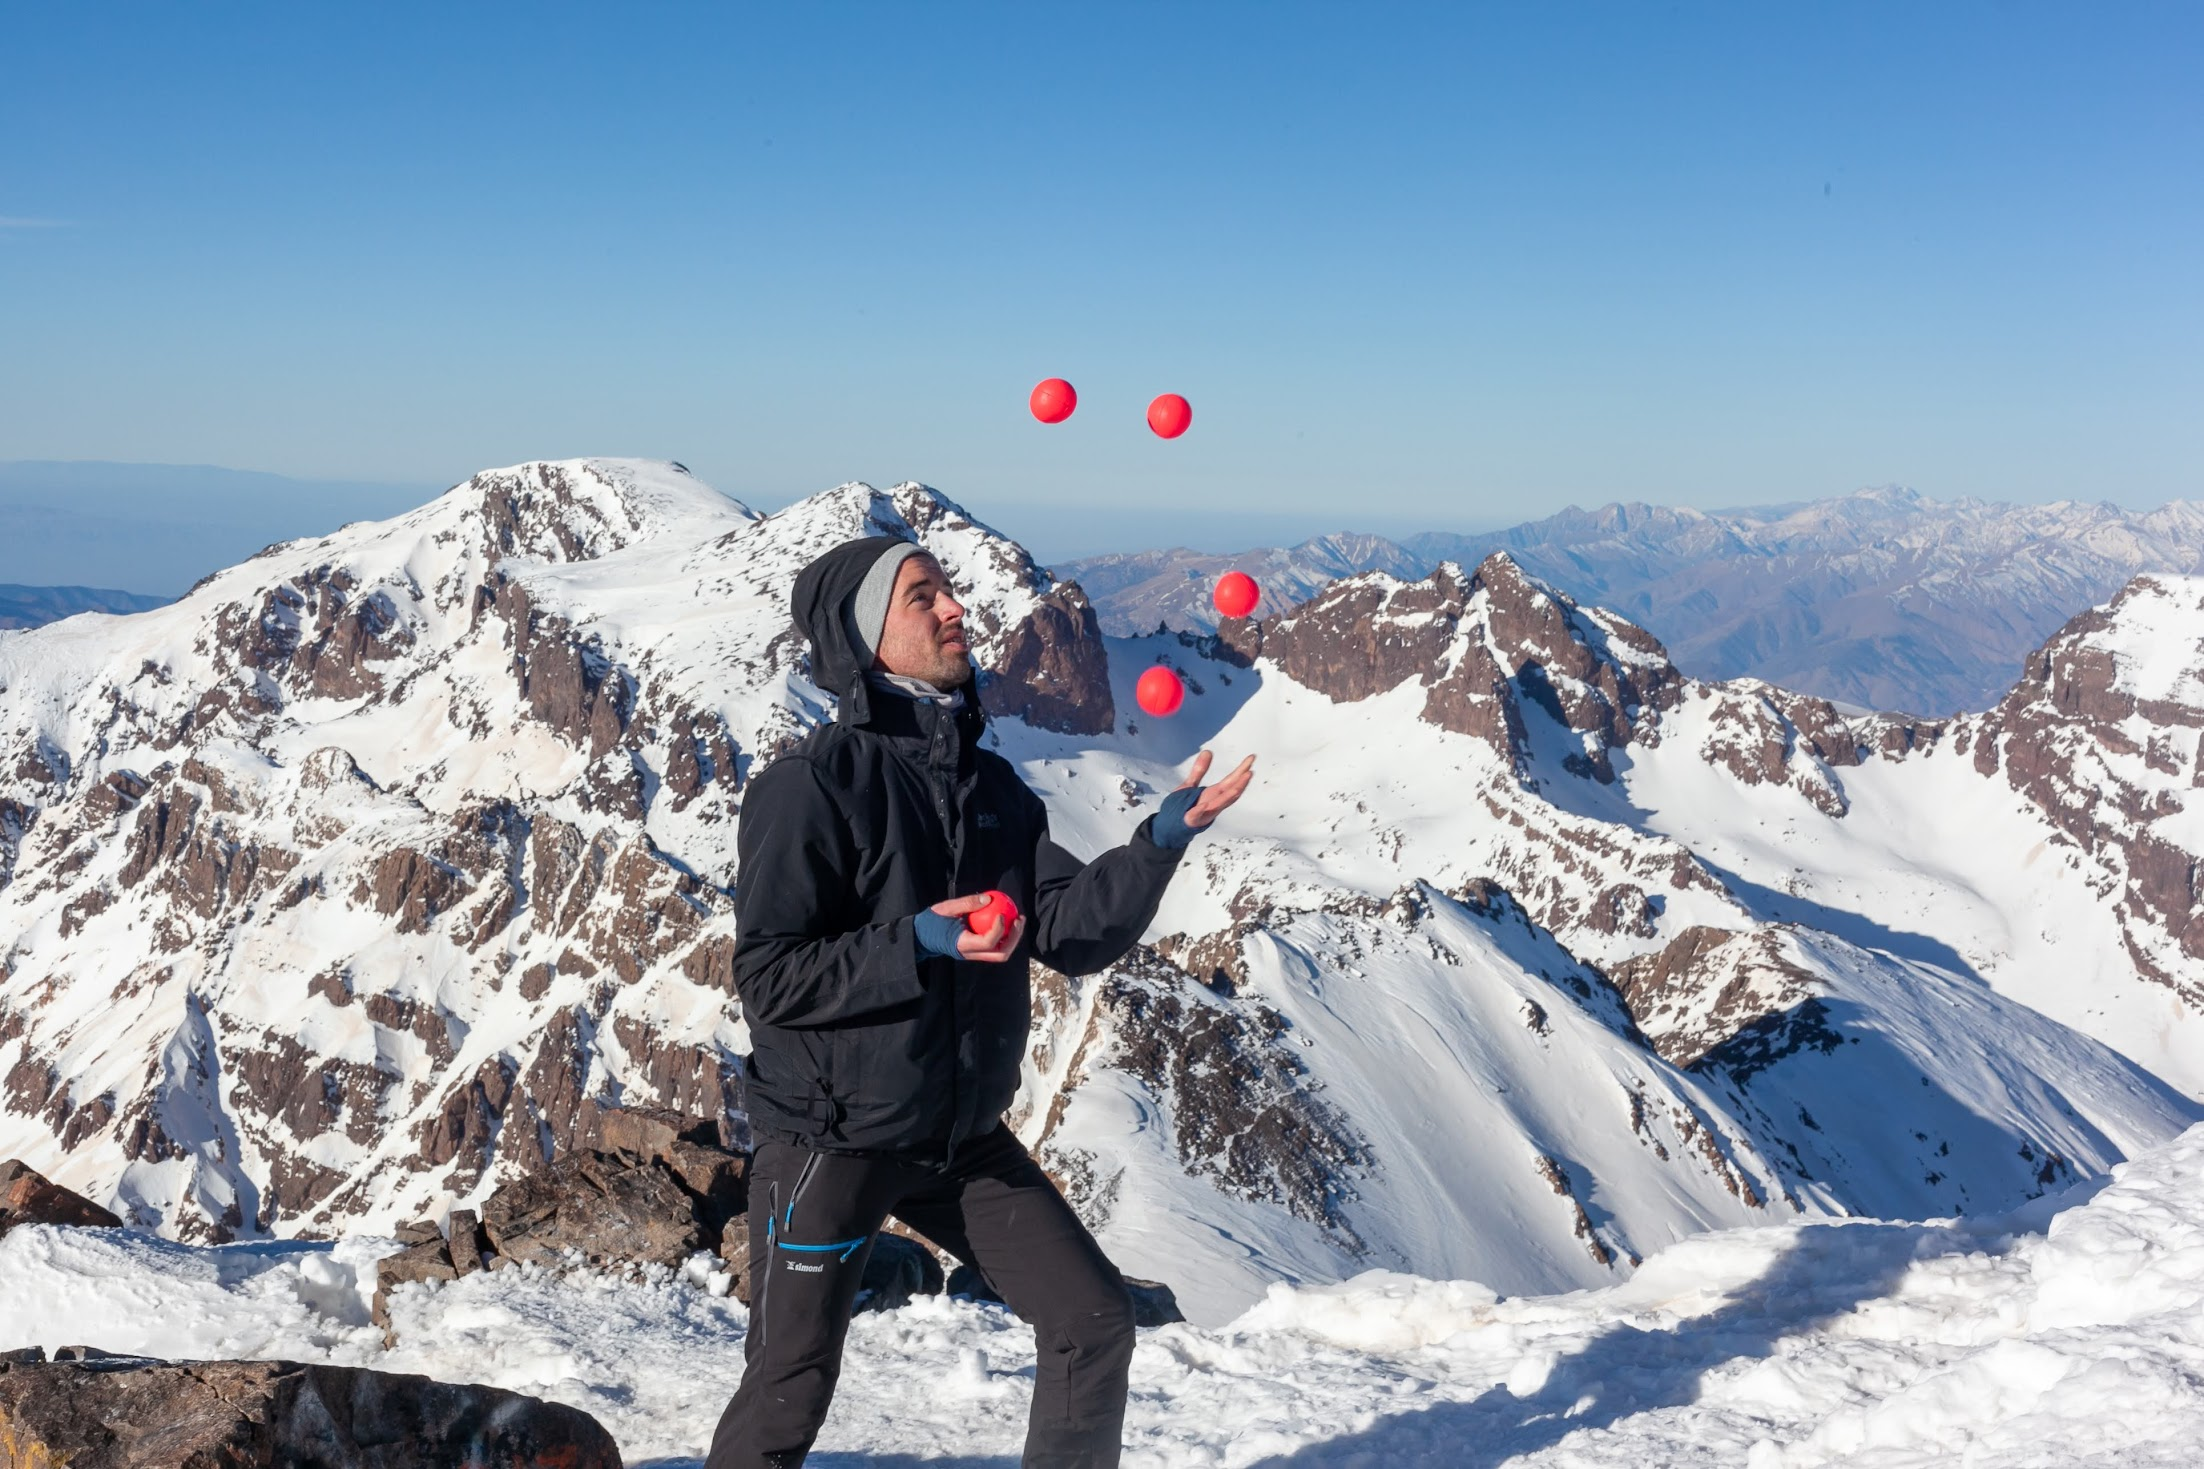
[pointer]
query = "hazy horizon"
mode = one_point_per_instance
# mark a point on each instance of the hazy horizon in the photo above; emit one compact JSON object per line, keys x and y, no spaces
{"x":154,"y":529}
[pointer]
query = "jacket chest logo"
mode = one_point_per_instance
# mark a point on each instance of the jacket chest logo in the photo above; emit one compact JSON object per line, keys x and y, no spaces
{"x":985,"y":820}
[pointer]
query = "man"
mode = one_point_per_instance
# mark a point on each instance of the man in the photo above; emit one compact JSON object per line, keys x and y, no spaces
{"x":886,"y":1038}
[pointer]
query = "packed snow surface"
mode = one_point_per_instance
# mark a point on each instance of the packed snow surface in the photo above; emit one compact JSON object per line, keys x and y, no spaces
{"x":2039,"y":1338}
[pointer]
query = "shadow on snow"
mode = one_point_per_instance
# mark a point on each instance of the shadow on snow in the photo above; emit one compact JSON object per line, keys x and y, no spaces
{"x":1629,"y":1370}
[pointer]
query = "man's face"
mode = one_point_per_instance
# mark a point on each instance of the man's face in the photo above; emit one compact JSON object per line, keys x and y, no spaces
{"x":924,"y":634}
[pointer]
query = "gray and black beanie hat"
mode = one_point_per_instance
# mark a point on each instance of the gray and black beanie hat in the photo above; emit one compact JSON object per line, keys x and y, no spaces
{"x":868,"y":609}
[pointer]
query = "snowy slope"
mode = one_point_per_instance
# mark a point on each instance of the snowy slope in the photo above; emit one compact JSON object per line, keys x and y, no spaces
{"x":1447,"y":1071}
{"x":1997,"y":1343}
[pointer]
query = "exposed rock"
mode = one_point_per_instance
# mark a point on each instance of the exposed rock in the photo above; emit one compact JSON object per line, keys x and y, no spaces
{"x":1755,"y":740}
{"x":28,"y":1197}
{"x":701,"y":756}
{"x":541,"y":511}
{"x":463,"y":1239}
{"x":1239,"y":1113}
{"x":2070,"y":738}
{"x":734,"y":1252}
{"x":1709,"y":987}
{"x":1767,"y":1039}
{"x":429,"y":1260}
{"x":1595,"y":673}
{"x":599,"y":1206}
{"x":1557,"y":1178}
{"x":1053,"y":671}
{"x":132,"y":1413}
{"x":568,"y":683}
{"x":715,"y":1178}
{"x":413,"y":887}
{"x":644,"y":1132}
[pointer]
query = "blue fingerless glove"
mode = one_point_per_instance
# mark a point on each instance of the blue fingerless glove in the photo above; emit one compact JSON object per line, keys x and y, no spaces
{"x":937,"y":934}
{"x":1169,"y":830}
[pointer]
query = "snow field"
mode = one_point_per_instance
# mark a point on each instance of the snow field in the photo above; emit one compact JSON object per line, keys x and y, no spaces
{"x":1985,"y":1343}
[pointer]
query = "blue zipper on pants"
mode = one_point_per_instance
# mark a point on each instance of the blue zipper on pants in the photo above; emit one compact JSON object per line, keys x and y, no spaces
{"x":848,"y":1247}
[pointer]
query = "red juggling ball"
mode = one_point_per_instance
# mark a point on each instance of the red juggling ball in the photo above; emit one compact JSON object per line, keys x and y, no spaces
{"x":1236,"y":594}
{"x":1159,"y":692}
{"x":998,"y":905}
{"x":1053,"y":400}
{"x":1170,"y":415}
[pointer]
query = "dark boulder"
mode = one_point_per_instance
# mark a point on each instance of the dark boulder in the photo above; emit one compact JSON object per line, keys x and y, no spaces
{"x":105,"y":1412}
{"x":895,"y":1271}
{"x":1154,"y":1303}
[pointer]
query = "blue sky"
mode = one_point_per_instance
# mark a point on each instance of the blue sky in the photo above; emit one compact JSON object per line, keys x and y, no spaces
{"x":1441,"y":267}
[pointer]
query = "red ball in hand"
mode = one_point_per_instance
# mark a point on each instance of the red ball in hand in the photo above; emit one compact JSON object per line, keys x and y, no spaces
{"x":998,"y":905}
{"x":1170,"y":415}
{"x":1053,"y":399}
{"x":1236,"y":594}
{"x":1159,"y":692}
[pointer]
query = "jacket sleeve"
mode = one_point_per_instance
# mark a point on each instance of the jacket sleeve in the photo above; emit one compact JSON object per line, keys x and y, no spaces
{"x":1087,"y":915}
{"x":795,"y":863}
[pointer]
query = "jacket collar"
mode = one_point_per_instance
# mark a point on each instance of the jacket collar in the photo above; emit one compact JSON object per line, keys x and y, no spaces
{"x":897,"y":717}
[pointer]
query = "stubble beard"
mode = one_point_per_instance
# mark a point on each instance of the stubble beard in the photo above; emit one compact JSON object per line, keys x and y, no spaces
{"x":930,"y":662}
{"x":952,"y":671}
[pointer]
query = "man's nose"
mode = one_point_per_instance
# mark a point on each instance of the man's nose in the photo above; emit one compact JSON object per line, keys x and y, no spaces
{"x":948,"y":609}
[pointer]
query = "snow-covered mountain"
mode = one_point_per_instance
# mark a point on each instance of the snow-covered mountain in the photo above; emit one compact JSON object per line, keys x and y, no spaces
{"x":1883,"y":598}
{"x":353,"y":881}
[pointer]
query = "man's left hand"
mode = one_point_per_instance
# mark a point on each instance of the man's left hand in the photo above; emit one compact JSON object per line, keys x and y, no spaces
{"x":1214,"y":800}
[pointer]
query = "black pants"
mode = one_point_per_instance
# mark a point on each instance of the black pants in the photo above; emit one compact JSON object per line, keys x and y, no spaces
{"x":812,"y":1218}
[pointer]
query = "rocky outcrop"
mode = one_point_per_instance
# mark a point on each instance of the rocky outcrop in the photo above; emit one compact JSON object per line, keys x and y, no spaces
{"x":93,"y":1410}
{"x":1053,"y":671}
{"x":2105,"y":716}
{"x":599,"y":1207}
{"x":648,"y":1187}
{"x":1241,"y":1113}
{"x":1484,"y":646}
{"x":1708,"y":986}
{"x":29,"y":1197}
{"x":566,"y":682}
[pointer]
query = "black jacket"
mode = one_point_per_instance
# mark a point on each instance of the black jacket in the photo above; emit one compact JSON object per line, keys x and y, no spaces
{"x":857,"y":1042}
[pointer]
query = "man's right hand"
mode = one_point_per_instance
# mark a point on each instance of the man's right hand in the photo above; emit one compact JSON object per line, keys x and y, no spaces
{"x":992,"y":947}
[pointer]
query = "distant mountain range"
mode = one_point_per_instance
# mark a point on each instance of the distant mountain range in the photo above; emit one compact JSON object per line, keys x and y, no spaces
{"x":35,"y":606}
{"x":1883,"y":598}
{"x":157,"y":528}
